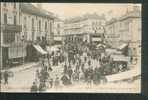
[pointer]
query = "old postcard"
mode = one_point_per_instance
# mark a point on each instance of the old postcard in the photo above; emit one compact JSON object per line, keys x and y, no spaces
{"x":70,"y":47}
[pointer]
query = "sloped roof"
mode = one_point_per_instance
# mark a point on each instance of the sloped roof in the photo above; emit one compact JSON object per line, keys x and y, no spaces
{"x":58,"y":19}
{"x":94,"y":16}
{"x":85,"y":17}
{"x":131,"y":14}
{"x":111,"y":21}
{"x":31,"y":9}
{"x":73,"y":20}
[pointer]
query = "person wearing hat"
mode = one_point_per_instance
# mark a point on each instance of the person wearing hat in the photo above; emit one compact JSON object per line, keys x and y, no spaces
{"x":57,"y":82}
{"x":34,"y":87}
{"x":42,"y":87}
{"x":65,"y":80}
{"x":51,"y":82}
{"x":6,"y":76}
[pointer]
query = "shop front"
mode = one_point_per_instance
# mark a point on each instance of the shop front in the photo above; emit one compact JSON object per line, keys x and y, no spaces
{"x":13,"y":54}
{"x":58,"y":40}
{"x":34,"y":52}
{"x":11,"y":48}
{"x":96,"y":38}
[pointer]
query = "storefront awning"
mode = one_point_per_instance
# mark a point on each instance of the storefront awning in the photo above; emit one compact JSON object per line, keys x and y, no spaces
{"x":95,"y":39}
{"x":112,"y":51}
{"x":101,"y":45}
{"x":120,"y":58}
{"x":39,"y":49}
{"x":123,"y":46}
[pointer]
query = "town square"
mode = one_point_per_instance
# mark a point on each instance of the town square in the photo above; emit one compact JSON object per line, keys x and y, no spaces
{"x":70,"y":47}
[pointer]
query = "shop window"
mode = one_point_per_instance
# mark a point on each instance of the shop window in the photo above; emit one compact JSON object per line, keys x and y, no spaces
{"x":32,"y":24}
{"x":32,"y":36}
{"x":25,"y":35}
{"x":5,"y":18}
{"x":14,"y":19}
{"x":50,"y":27}
{"x":58,"y":27}
{"x":38,"y":38}
{"x":25,"y":20}
{"x":45,"y":26}
{"x":39,"y":25}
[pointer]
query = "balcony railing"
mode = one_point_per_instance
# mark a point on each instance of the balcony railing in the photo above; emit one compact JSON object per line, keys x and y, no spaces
{"x":9,"y":27}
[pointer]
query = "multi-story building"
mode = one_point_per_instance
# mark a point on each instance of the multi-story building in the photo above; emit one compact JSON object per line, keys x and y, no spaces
{"x":37,"y":28}
{"x":125,"y":29}
{"x":22,"y":23}
{"x":89,"y":27}
{"x":11,"y":46}
{"x":112,"y":32}
{"x":58,"y":30}
{"x":37,"y":24}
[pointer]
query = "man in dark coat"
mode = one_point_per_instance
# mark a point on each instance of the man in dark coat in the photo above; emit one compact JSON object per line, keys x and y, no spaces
{"x":57,"y":82}
{"x":51,"y":82}
{"x":42,"y":87}
{"x":65,"y":80}
{"x":6,"y":76}
{"x":96,"y":76}
{"x":69,"y":72}
{"x":0,"y":77}
{"x":34,"y":87}
{"x":65,"y":68}
{"x":44,"y":75}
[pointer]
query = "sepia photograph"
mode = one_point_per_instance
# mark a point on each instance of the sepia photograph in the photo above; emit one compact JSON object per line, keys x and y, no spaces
{"x":70,"y":47}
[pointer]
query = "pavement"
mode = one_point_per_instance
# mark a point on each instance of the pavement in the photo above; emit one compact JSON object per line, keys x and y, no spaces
{"x":23,"y":77}
{"x":22,"y":67}
{"x":25,"y":74}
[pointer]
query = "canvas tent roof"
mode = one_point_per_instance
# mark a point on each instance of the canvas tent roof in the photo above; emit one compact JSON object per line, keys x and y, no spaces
{"x":39,"y":49}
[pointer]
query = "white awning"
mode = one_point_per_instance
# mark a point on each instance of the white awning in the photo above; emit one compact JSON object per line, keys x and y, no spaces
{"x":112,"y":51}
{"x":124,"y":75}
{"x":122,"y":46}
{"x":99,"y":45}
{"x":96,"y":39}
{"x":120,"y":58}
{"x":39,"y":49}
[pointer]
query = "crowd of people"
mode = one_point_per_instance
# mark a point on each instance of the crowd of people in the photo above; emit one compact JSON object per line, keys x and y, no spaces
{"x":79,"y":64}
{"x":77,"y":67}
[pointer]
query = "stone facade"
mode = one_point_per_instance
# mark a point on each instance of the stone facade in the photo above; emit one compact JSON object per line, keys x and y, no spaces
{"x":10,"y":33}
{"x":37,"y":23}
{"x":87,"y":24}
{"x":125,"y":29}
{"x":22,"y":23}
{"x":58,"y":31}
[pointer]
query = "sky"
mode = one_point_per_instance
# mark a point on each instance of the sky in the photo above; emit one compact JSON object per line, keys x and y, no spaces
{"x":68,"y":10}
